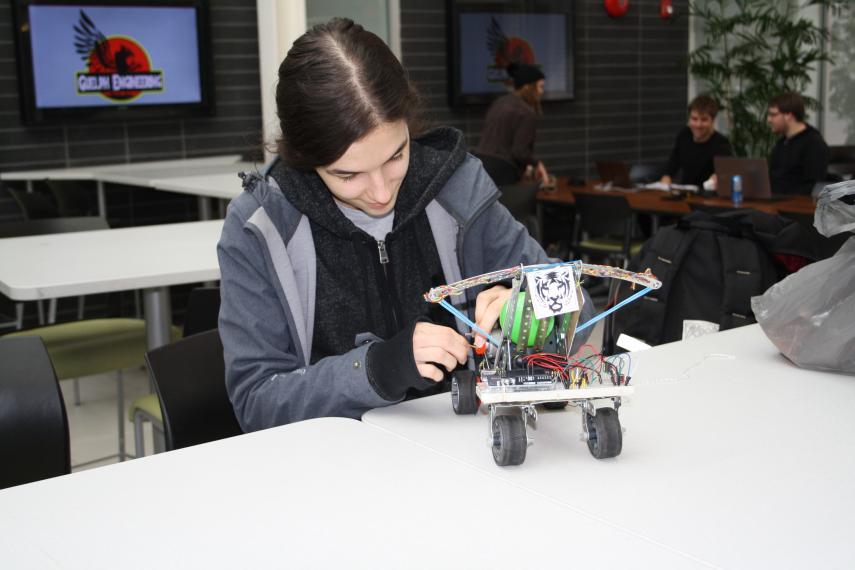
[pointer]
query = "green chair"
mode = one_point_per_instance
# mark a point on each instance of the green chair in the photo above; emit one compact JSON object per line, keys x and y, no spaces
{"x":604,"y":227}
{"x":96,"y":346}
{"x":203,"y":308}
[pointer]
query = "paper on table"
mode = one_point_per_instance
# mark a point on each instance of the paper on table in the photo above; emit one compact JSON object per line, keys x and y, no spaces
{"x":668,"y":187}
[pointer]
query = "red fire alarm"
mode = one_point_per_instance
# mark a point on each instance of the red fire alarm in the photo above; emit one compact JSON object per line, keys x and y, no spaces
{"x":666,"y":9}
{"x":616,"y":8}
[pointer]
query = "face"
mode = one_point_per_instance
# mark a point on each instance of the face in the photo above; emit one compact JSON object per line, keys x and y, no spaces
{"x":538,"y":87}
{"x":776,"y":120}
{"x":368,"y":175}
{"x":702,"y":125}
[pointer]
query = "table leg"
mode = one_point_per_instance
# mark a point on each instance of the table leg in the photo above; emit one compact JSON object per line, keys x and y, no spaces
{"x":204,"y":208}
{"x":158,"y":316}
{"x":102,"y":199}
{"x":29,"y":186}
{"x":221,"y":207}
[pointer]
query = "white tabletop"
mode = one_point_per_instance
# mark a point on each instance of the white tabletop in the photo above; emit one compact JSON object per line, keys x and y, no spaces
{"x":92,"y":172}
{"x":224,"y":185}
{"x":146,"y":174}
{"x":731,"y":454}
{"x":330,"y":493}
{"x":82,"y":263}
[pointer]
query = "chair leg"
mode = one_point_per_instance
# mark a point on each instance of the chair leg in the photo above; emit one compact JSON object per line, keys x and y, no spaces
{"x":76,"y":385}
{"x":19,"y":316}
{"x":120,"y":389}
{"x":139,"y":440}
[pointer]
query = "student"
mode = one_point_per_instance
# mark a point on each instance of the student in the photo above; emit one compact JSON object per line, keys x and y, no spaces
{"x":324,"y":261}
{"x":507,"y":139}
{"x":691,"y":160}
{"x":800,"y":157}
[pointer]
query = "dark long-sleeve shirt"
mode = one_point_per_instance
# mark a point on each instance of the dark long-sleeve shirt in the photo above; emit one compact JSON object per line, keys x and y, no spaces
{"x":693,"y":161}
{"x":798,"y":163}
{"x":509,"y":131}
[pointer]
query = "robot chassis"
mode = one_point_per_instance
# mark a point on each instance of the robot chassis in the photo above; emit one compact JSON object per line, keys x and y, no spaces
{"x":511,"y":383}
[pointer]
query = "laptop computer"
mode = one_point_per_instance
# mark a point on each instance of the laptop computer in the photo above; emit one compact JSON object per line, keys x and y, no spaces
{"x":615,"y":172}
{"x":754,"y":173}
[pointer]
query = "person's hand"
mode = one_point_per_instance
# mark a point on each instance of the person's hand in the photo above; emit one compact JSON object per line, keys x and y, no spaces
{"x":541,"y":174}
{"x":665,"y":179}
{"x":436,"y":346}
{"x":488,"y":306}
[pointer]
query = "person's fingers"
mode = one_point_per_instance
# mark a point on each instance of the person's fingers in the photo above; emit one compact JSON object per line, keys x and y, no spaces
{"x":436,"y":355}
{"x":430,"y":372}
{"x":486,"y":297}
{"x":431,"y":335}
{"x":491,"y":314}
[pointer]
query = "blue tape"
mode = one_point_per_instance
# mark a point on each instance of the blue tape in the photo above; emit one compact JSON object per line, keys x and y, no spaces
{"x":453,"y":310}
{"x":605,"y":314}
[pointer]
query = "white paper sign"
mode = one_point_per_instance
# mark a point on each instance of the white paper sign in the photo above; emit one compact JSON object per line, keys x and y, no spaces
{"x":552,"y":291}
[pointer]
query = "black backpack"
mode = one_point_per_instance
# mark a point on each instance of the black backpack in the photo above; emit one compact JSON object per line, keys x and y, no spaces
{"x":710,"y":267}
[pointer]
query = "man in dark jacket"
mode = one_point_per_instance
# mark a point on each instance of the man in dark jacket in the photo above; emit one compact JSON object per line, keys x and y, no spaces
{"x":691,"y":160}
{"x":800,"y":157}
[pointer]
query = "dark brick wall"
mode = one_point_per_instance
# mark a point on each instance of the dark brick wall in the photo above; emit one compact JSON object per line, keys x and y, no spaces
{"x":236,"y":127}
{"x":631,"y":84}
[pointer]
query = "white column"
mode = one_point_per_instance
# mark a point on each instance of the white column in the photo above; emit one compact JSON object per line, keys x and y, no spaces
{"x":280,"y":22}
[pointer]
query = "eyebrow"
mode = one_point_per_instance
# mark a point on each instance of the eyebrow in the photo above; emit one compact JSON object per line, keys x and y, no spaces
{"x":338,"y":172}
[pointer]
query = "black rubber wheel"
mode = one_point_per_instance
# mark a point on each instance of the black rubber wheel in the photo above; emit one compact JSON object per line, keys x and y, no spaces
{"x":555,"y":405}
{"x":605,"y":437}
{"x":509,"y":440}
{"x":463,"y":397}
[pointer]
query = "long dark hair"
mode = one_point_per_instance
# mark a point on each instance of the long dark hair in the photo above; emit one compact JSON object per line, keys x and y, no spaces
{"x":337,"y":83}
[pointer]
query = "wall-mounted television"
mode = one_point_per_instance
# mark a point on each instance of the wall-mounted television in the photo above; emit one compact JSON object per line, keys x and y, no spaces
{"x":112,"y":59}
{"x":485,"y":37}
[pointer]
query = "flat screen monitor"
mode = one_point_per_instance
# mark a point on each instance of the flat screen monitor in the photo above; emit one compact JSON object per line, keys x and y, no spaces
{"x":112,"y":59}
{"x":485,"y":37}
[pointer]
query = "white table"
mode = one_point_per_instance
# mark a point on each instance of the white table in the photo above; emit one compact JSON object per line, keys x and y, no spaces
{"x":329,"y":493}
{"x":150,"y":258}
{"x":731,"y":454}
{"x":144,"y":174}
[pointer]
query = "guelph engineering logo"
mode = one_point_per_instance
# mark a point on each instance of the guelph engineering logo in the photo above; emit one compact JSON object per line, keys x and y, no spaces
{"x":117,"y":67}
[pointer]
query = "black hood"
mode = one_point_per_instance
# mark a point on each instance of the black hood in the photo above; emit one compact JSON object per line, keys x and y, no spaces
{"x":434,"y":157}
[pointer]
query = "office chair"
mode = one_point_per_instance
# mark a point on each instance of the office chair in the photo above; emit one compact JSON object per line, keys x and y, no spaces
{"x":502,"y":172}
{"x":203,"y":309}
{"x":190,"y":378}
{"x":73,"y":198}
{"x":604,"y":227}
{"x":33,"y":423}
{"x":520,"y":200}
{"x":34,"y":205}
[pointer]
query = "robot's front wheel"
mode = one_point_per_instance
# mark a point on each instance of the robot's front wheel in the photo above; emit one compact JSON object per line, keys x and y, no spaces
{"x":464,"y":400}
{"x":605,"y":437}
{"x":509,"y":440}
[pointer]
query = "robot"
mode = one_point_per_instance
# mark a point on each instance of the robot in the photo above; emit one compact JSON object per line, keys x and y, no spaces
{"x":516,"y":371}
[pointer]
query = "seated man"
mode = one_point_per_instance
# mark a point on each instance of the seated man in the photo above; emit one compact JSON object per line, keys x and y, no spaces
{"x":800,"y":157}
{"x":691,"y":161}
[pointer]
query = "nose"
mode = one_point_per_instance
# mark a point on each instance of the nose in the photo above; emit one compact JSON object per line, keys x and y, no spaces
{"x":377,"y":187}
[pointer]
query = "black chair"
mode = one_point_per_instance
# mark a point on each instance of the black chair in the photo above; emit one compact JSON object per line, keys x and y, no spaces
{"x":521,"y":202}
{"x":34,"y":205}
{"x":189,"y":376}
{"x":605,"y":226}
{"x":33,"y":425}
{"x":709,"y":209}
{"x":73,"y":198}
{"x":203,"y":310}
{"x":501,"y":171}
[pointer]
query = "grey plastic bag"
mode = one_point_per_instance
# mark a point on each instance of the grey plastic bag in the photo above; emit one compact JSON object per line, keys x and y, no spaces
{"x":810,"y":315}
{"x":833,"y":215}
